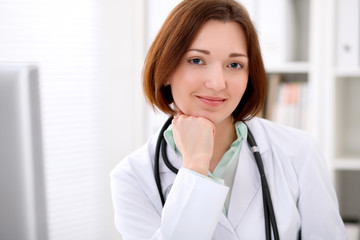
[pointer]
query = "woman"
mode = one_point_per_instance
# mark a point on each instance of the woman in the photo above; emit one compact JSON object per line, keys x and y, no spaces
{"x":205,"y":69}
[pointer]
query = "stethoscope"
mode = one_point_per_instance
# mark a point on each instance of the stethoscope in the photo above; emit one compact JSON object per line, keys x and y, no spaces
{"x":268,"y":206}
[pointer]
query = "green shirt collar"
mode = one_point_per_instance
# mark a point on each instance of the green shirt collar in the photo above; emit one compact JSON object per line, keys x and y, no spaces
{"x":241,"y":132}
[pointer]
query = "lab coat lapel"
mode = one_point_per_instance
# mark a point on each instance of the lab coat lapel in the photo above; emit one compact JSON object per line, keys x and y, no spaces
{"x":176,"y":161}
{"x":246,"y":185}
{"x":247,"y":180}
{"x":225,"y":222}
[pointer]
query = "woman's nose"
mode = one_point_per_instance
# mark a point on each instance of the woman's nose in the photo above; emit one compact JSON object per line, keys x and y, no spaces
{"x":215,"y":78}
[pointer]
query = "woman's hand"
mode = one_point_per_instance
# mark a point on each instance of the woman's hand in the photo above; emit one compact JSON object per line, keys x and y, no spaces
{"x":194,"y":137}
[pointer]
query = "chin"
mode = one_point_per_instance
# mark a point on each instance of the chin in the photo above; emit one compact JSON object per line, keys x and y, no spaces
{"x":215,"y":118}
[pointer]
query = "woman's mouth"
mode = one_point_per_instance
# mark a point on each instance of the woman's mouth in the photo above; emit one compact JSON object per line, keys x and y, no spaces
{"x":211,"y":101}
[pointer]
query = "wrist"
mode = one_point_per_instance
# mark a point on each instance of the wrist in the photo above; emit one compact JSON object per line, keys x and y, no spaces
{"x":197,"y":166}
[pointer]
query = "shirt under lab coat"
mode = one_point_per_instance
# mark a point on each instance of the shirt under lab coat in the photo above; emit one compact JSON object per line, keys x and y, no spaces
{"x":302,"y":194}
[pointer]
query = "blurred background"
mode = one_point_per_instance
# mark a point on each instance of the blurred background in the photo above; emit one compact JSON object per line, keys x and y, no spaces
{"x":71,"y":102}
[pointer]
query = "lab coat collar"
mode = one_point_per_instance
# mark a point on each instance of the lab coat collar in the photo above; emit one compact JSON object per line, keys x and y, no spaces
{"x":259,"y":133}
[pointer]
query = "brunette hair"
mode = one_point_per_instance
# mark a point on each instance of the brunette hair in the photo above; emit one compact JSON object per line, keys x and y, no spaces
{"x":176,"y":35}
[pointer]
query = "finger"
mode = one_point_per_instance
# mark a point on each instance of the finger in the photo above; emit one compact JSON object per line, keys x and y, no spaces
{"x":173,"y":122}
{"x":178,"y":114}
{"x":211,"y":124}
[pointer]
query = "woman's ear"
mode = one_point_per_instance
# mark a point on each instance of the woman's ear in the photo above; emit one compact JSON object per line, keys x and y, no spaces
{"x":167,"y":83}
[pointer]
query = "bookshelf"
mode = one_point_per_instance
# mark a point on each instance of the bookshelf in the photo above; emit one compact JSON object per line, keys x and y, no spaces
{"x":327,"y":61}
{"x":346,"y":153}
{"x":286,"y":47}
{"x":346,"y":80}
{"x":289,"y":67}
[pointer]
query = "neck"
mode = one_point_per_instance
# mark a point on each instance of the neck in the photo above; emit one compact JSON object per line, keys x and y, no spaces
{"x":225,"y":135}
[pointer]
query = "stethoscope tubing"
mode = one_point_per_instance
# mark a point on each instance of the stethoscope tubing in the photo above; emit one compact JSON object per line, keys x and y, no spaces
{"x":267,"y":202}
{"x":157,"y":159}
{"x":269,"y":215}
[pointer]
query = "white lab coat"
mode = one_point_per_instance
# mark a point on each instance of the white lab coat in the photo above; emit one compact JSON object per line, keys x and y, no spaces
{"x":301,"y":190}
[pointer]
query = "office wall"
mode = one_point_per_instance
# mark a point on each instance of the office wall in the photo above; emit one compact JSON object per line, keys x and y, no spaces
{"x":89,"y":55}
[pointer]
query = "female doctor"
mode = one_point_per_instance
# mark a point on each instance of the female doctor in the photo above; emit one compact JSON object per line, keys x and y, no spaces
{"x":205,"y":70}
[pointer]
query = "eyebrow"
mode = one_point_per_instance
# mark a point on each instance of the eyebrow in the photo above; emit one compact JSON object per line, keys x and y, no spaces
{"x":237,"y":55}
{"x":208,"y":52}
{"x":199,"y":50}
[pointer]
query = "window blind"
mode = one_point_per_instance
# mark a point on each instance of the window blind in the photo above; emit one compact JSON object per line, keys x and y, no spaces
{"x":63,"y":38}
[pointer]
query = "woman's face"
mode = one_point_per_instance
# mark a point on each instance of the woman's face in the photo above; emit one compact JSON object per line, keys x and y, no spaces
{"x":212,"y":76}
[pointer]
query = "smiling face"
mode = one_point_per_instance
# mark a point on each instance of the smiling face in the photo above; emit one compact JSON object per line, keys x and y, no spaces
{"x":212,"y":76}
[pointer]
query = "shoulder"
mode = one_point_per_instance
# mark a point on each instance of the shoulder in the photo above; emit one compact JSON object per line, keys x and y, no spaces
{"x":276,"y":135}
{"x":132,"y":181}
{"x":137,"y":162}
{"x":286,"y":144}
{"x":133,"y":176}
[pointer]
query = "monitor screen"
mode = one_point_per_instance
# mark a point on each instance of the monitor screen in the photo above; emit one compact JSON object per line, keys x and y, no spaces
{"x":22,"y":187}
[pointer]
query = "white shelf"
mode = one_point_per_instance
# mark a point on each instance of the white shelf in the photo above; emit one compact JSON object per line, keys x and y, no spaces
{"x":343,"y":72}
{"x":290,"y":67}
{"x":333,"y":114}
{"x":352,"y":164}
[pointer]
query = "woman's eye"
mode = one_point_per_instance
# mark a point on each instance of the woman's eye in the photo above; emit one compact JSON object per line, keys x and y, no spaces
{"x":235,"y":65}
{"x":196,"y":61}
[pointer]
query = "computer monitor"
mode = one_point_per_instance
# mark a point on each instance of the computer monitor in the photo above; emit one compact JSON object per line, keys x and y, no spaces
{"x":22,"y":186}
